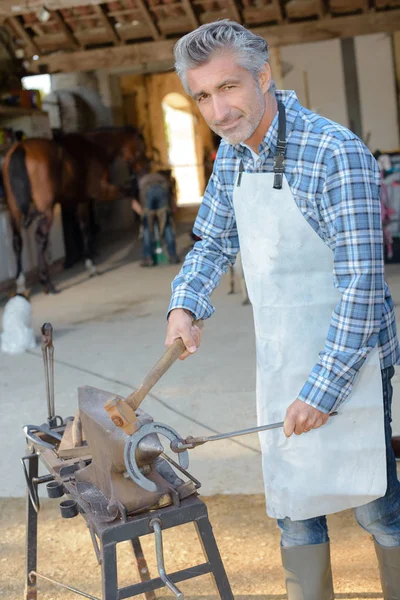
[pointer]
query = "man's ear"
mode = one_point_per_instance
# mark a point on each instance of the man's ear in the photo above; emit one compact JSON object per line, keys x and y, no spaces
{"x":265,"y":78}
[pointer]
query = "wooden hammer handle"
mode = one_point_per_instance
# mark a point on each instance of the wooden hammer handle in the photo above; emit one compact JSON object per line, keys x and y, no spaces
{"x":166,"y":361}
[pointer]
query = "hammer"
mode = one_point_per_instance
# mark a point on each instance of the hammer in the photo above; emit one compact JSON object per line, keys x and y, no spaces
{"x":122,"y":412}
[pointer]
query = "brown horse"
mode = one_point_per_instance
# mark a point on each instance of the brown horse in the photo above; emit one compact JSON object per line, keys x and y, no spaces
{"x":73,"y":171}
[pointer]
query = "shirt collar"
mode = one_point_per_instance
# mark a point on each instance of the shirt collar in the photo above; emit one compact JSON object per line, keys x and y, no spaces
{"x":292,"y":107}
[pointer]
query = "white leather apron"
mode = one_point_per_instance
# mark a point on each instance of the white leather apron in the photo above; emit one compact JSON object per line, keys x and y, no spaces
{"x":288,"y":271}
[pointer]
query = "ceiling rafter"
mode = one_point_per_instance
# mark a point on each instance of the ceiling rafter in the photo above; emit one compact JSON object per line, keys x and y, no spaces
{"x":322,"y":9}
{"x":21,"y":32}
{"x":279,"y":10}
{"x":141,"y":57}
{"x":187,"y":5}
{"x":101,"y":10}
{"x":66,"y":30}
{"x":234,"y":6}
{"x":155,"y":32}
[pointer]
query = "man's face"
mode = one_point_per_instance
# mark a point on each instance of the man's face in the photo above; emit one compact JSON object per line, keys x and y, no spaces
{"x":228,"y":97}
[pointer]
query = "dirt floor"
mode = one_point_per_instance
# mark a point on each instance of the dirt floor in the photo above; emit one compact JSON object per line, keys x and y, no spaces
{"x":248,"y":542}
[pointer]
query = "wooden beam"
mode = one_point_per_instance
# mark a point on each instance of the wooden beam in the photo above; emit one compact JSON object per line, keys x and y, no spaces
{"x":322,"y":9}
{"x":21,"y":32}
{"x":66,"y":30}
{"x":279,"y":10}
{"x":19,"y":7}
{"x":190,"y":13}
{"x":37,"y":29}
{"x":301,"y":9}
{"x":275,"y":62}
{"x":128,"y":11}
{"x":135,"y":56}
{"x":234,"y":7}
{"x":149,"y":19}
{"x":142,"y":56}
{"x":101,"y":11}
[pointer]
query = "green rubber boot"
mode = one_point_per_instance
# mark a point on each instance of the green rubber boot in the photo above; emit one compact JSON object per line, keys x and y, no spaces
{"x":389,"y":568}
{"x":307,"y":572}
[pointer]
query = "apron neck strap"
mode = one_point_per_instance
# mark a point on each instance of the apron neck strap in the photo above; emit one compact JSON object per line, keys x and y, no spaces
{"x":279,"y":158}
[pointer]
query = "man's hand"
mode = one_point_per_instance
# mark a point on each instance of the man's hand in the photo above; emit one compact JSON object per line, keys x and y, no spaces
{"x":180,"y":325}
{"x":300,"y":418}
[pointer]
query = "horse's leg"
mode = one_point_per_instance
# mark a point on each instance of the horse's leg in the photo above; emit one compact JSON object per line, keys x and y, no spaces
{"x":42,"y":240}
{"x":86,"y":226}
{"x":17,"y":245}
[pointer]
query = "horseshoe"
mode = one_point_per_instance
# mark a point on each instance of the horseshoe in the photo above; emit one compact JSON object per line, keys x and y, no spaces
{"x":130,"y":452}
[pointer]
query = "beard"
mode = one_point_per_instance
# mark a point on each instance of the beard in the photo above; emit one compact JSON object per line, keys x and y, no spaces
{"x":246,"y":125}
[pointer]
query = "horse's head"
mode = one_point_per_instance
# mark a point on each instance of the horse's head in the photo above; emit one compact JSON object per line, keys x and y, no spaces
{"x":133,"y":147}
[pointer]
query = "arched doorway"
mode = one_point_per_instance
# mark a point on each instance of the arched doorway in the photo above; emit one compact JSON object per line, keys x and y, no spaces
{"x":181,"y":143}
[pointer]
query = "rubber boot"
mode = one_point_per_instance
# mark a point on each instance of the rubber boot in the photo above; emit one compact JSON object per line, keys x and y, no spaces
{"x":307,"y":572}
{"x":389,"y":568}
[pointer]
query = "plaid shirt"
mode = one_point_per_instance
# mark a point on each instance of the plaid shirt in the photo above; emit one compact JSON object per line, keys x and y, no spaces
{"x":336,"y":185}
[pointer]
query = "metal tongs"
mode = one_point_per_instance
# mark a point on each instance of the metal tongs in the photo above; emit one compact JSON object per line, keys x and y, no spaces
{"x":192,"y":442}
{"x":52,"y":419}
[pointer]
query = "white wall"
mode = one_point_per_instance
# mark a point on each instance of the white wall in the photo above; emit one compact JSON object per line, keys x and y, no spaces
{"x":377,"y":86}
{"x":322,"y":63}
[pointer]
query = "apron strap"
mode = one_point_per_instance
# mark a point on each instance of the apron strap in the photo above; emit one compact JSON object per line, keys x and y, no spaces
{"x":279,"y":158}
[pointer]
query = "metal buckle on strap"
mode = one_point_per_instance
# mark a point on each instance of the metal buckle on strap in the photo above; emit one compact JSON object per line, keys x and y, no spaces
{"x":279,"y":163}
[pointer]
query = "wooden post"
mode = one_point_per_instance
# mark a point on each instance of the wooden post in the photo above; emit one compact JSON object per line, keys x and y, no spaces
{"x":396,"y":65}
{"x":276,"y":66}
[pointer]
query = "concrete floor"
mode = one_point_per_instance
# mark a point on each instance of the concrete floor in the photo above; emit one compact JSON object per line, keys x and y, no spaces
{"x":108,"y":333}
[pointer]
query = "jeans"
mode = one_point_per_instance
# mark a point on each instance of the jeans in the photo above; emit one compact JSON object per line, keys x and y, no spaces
{"x":168,"y":234}
{"x":380,"y":518}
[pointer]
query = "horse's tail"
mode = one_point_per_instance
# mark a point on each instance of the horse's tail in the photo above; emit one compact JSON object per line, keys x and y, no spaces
{"x":19,"y":183}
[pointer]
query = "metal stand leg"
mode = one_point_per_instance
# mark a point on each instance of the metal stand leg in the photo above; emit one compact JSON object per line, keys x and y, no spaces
{"x":31,"y":534}
{"x":142,"y":566}
{"x":109,"y":575}
{"x":211,"y":551}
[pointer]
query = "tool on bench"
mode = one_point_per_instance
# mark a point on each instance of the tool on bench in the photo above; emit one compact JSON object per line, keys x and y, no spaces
{"x":53,"y":421}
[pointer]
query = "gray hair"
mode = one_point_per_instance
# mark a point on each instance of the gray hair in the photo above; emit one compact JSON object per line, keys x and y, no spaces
{"x":197,"y":47}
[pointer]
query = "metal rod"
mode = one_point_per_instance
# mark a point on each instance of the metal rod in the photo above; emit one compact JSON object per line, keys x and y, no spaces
{"x":192,"y":442}
{"x":95,"y":544}
{"x":51,"y":369}
{"x":46,"y":379}
{"x":155,"y":525}
{"x":31,"y":527}
{"x":48,"y":361}
{"x":224,"y":436}
{"x":142,"y":567}
{"x":43,"y":479}
{"x":63,"y":585}
{"x":186,"y":473}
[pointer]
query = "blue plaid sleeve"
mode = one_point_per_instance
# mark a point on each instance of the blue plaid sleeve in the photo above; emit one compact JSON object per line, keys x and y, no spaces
{"x":351,"y":196}
{"x":210,"y":258}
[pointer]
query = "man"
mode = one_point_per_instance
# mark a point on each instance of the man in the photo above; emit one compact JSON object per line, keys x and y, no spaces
{"x":300,"y":195}
{"x":155,"y":204}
